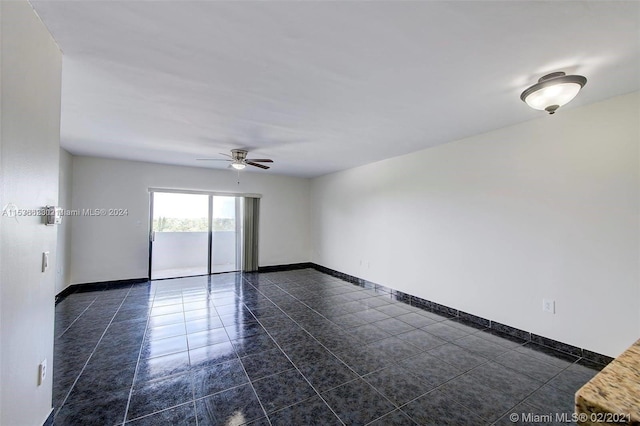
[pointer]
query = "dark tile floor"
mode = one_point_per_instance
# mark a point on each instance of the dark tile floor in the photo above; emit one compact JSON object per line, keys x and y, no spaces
{"x":291,"y":348}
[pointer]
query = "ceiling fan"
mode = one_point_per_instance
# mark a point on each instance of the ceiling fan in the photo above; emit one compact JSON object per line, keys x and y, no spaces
{"x":239,"y":160}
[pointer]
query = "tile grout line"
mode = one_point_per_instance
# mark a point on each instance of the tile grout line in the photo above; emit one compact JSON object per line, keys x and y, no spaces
{"x":322,"y":344}
{"x":358,"y":376}
{"x":90,"y":355}
{"x":451,"y":342}
{"x":475,"y":367}
{"x":289,"y":358}
{"x":476,"y":332}
{"x":193,"y":399}
{"x":78,"y":317}
{"x":408,"y":299}
{"x":362,"y":376}
{"x":239,"y":358}
{"x":309,"y":326}
{"x":186,"y":338}
{"x":135,"y":374}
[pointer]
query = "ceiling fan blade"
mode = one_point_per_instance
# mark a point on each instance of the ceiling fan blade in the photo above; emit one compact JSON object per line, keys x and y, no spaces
{"x":260,"y":160}
{"x":212,"y":159}
{"x":226,"y":155}
{"x":251,"y":163}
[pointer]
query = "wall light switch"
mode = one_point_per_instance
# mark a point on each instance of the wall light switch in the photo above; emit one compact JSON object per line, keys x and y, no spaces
{"x":45,"y":261}
{"x":42,"y":372}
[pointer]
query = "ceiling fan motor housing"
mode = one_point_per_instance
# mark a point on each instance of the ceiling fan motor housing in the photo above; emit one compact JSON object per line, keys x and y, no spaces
{"x":239,"y":154}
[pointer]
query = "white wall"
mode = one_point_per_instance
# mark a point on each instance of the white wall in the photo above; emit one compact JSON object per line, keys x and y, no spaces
{"x":30,"y":74}
{"x":494,"y":223}
{"x":114,"y":248}
{"x":63,"y":246}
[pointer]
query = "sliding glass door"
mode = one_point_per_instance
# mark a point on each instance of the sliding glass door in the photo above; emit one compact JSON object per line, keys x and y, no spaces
{"x":194,"y":234}
{"x":180,"y":235}
{"x":225,"y":236}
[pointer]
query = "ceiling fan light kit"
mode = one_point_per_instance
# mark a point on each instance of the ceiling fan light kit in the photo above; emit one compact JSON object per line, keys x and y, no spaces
{"x":553,"y":91}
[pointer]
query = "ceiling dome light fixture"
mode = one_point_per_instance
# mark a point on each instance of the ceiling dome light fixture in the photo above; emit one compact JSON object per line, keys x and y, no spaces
{"x":553,"y":91}
{"x":238,"y":165}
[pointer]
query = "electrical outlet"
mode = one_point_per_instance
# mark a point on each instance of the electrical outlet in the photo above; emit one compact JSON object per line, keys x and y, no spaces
{"x":549,"y":305}
{"x":42,"y":372}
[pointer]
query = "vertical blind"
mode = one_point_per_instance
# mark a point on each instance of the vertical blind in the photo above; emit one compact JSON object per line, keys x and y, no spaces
{"x":251,"y":223}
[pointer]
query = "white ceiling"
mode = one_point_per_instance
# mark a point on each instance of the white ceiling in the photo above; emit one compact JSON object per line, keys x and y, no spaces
{"x":321,"y":86}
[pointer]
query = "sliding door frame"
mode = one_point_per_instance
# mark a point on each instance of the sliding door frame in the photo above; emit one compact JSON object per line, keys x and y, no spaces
{"x":210,"y":243}
{"x":151,"y":235}
{"x":211,"y":194}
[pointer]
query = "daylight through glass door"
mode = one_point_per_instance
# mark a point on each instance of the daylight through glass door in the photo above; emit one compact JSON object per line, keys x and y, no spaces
{"x":193,"y":234}
{"x":225,"y":235}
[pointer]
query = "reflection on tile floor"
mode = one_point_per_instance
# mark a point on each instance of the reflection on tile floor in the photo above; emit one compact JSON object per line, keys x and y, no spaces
{"x":291,"y":348}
